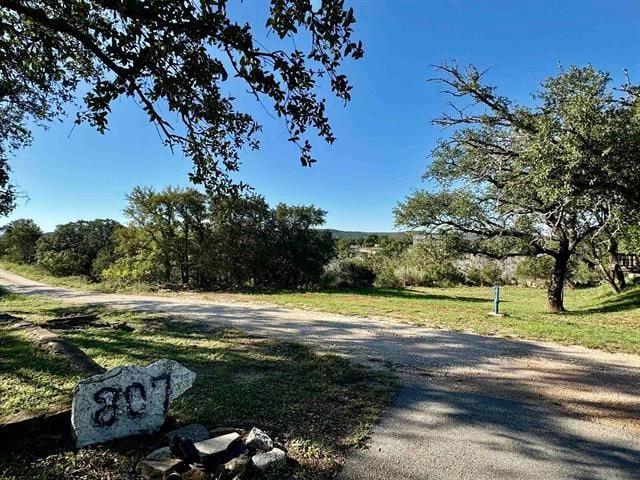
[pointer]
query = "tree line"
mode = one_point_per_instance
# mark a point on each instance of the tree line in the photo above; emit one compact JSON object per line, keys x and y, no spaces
{"x":184,"y":237}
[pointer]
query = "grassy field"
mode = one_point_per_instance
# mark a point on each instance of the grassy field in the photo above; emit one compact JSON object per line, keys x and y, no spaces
{"x":318,"y":405}
{"x":596,"y":318}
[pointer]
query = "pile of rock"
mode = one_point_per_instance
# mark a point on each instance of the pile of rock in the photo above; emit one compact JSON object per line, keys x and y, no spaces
{"x":194,"y":453}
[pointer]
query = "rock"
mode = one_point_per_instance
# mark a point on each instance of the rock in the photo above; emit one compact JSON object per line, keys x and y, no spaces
{"x":216,"y":445}
{"x":235,"y":450}
{"x":184,"y":449}
{"x":159,"y":469}
{"x":7,"y":317}
{"x":163,"y":453}
{"x":258,"y":440}
{"x":236,"y":467}
{"x":194,"y":474}
{"x":127,"y":400}
{"x":219,"y":450}
{"x":194,"y":432}
{"x":273,"y":458}
{"x":216,"y":432}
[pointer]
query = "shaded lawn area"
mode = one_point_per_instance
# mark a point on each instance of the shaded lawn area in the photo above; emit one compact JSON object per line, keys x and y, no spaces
{"x":318,"y":405}
{"x":596,"y":317}
{"x":31,"y":380}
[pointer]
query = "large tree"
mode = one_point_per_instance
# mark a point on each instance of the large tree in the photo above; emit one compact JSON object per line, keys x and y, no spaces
{"x":174,"y":58}
{"x":518,"y":180}
{"x":18,"y":240}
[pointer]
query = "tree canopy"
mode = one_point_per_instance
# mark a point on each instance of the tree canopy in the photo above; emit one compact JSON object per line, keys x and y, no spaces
{"x":78,"y":248}
{"x":181,"y":236}
{"x":18,"y":240}
{"x":173,"y":58}
{"x":519,"y":180}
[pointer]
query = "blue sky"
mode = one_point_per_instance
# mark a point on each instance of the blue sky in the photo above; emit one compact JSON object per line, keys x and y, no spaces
{"x":384,"y":134}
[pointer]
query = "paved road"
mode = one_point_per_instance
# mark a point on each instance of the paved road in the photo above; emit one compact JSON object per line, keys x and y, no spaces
{"x":472,"y":407}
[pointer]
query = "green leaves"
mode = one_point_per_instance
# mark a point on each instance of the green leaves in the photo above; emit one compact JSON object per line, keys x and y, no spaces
{"x":519,"y":180}
{"x":173,"y":58}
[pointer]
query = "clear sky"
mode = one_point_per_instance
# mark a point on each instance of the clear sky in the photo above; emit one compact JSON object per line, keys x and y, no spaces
{"x":384,"y":134}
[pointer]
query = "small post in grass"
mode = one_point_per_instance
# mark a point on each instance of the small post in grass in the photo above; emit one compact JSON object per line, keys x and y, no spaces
{"x":496,"y":302}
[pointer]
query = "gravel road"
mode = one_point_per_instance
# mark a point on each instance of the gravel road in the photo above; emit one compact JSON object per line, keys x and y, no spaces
{"x":471,"y":407}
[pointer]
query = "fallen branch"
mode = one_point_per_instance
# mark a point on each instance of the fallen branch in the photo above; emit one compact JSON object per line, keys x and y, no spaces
{"x":60,"y":346}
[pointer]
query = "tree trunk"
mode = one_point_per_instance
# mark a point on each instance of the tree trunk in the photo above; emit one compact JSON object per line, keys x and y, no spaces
{"x":558,"y":278}
{"x":609,"y":277}
{"x":616,"y":271}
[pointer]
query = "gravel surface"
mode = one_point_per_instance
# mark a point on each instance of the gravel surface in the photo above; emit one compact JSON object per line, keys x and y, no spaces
{"x":472,"y":407}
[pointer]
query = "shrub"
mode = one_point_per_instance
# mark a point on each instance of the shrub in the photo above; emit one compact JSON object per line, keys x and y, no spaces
{"x":485,"y":273}
{"x":60,"y":264}
{"x":348,"y":273}
{"x":104,"y":259}
{"x":131,"y":270}
{"x":386,"y":275}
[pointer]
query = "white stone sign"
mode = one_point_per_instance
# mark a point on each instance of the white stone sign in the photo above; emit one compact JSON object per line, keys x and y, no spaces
{"x":127,"y":400}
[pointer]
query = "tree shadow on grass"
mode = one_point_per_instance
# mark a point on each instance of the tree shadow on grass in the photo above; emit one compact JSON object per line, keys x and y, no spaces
{"x":321,"y":399}
{"x":627,"y":300}
{"x":406,"y":293}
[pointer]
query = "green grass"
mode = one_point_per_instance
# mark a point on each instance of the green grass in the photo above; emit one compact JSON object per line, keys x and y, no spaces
{"x":31,"y":381}
{"x":596,"y":318}
{"x":318,"y":405}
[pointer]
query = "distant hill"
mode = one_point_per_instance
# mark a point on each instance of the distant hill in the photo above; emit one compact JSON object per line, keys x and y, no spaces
{"x":355,"y":234}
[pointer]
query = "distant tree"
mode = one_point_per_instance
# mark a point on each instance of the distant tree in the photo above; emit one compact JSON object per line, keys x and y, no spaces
{"x":372,"y":240}
{"x":18,"y":241}
{"x":169,"y":218}
{"x":240,"y":247}
{"x":512,"y":176}
{"x":176,"y":59}
{"x":301,"y":250}
{"x":72,"y":248}
{"x":343,"y":246}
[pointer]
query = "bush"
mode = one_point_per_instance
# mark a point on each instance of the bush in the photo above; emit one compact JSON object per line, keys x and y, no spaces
{"x":131,"y":270}
{"x":486,"y":273}
{"x":403,"y":272}
{"x":104,"y":259}
{"x":386,"y":274}
{"x":60,"y":264}
{"x":348,"y":273}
